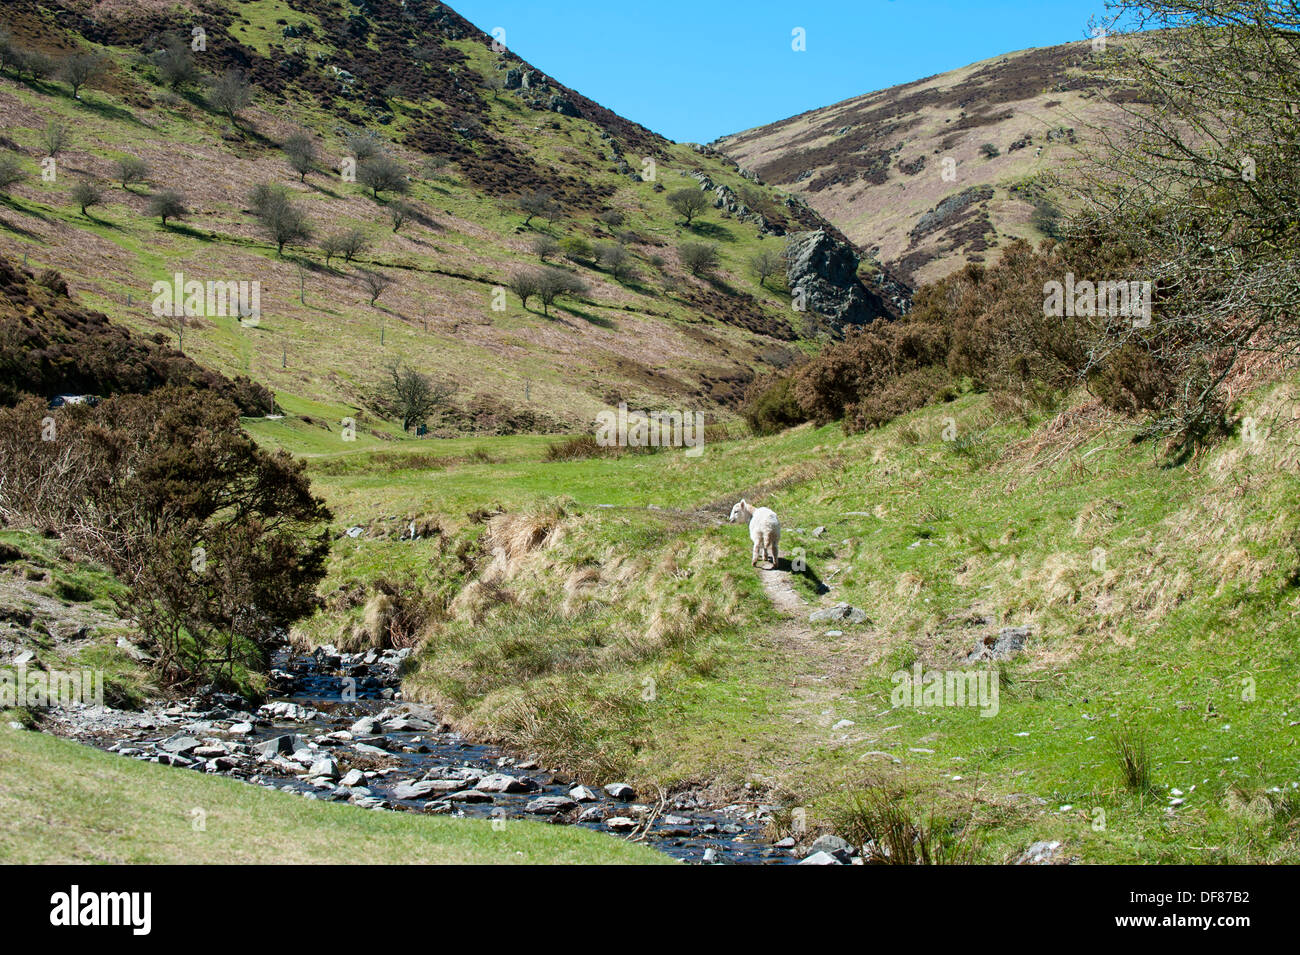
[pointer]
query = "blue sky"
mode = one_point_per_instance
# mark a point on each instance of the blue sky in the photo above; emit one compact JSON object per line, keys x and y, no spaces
{"x":694,"y":71}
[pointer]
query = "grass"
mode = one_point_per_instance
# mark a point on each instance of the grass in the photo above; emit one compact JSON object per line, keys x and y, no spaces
{"x":635,"y":641}
{"x":64,"y":803}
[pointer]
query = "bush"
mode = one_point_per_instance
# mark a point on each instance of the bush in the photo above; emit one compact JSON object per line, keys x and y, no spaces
{"x":698,"y":258}
{"x":770,"y":406}
{"x":222,"y":541}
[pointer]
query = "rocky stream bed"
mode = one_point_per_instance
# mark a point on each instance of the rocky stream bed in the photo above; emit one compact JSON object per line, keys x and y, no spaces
{"x":337,"y":729}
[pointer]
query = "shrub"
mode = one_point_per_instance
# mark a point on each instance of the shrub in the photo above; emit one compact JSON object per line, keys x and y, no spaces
{"x":770,"y":405}
{"x":222,"y":541}
{"x":698,"y":258}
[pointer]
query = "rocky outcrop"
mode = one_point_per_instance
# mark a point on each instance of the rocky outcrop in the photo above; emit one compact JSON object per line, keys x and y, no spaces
{"x":822,"y":272}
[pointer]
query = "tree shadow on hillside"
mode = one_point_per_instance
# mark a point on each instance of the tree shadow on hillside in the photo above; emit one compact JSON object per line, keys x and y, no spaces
{"x":600,"y":321}
{"x":713,"y":230}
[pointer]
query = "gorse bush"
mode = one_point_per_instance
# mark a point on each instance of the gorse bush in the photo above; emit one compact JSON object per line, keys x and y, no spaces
{"x":221,"y":542}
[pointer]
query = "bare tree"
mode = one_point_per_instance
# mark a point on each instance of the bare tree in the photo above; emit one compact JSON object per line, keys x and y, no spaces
{"x":413,"y":395}
{"x":552,"y":284}
{"x":544,"y":246}
{"x":688,"y":203}
{"x":55,"y":137}
{"x":175,"y":63}
{"x":524,"y":283}
{"x":538,"y":204}
{"x":1196,"y":181}
{"x":86,"y":194}
{"x":11,"y":172}
{"x":764,"y":265}
{"x":283,"y":221}
{"x":363,"y":144}
{"x":78,"y":69}
{"x":300,"y":151}
{"x":399,"y":213}
{"x":375,"y":283}
{"x":382,"y":173}
{"x":614,"y":258}
{"x":229,"y":93}
{"x":167,"y":204}
{"x":131,"y":170}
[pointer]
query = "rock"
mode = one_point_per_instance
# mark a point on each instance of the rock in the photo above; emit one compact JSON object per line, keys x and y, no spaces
{"x":620,"y":824}
{"x":818,"y":531}
{"x":620,"y":791}
{"x":353,"y":777}
{"x":1008,"y":642}
{"x":823,"y":274}
{"x":363,"y":727}
{"x":833,"y":846}
{"x":582,"y":794}
{"x":843,"y":725}
{"x":324,"y":767}
{"x":469,"y":795}
{"x":1040,"y":853}
{"x":502,"y":783}
{"x":550,"y":805}
{"x":841,"y":611}
{"x":279,"y":744}
{"x":179,"y":745}
{"x":821,"y":858}
{"x":24,"y":658}
{"x":592,"y":814}
{"x":786,"y":843}
{"x":242,"y":728}
{"x":411,"y":789}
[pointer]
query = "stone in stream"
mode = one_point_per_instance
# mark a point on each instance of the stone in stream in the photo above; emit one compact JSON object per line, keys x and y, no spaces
{"x":370,"y":750}
{"x":592,"y":814}
{"x":832,"y":845}
{"x":423,"y":788}
{"x":279,"y":744}
{"x":582,"y":794}
{"x":502,"y":783}
{"x":363,"y":727}
{"x":821,"y":858}
{"x":353,"y":777}
{"x":242,"y":728}
{"x":620,"y":823}
{"x":469,"y":795}
{"x":323,"y":767}
{"x":620,"y":791}
{"x":179,"y":744}
{"x":550,"y":805}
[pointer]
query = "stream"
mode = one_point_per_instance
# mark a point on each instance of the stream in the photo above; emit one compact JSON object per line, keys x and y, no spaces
{"x":335,"y":729}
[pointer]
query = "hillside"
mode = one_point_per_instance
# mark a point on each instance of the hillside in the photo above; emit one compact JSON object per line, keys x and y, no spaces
{"x":473,"y":130}
{"x":878,"y":165}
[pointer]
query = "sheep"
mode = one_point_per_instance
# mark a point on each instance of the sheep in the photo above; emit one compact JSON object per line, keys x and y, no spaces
{"x":764,"y":531}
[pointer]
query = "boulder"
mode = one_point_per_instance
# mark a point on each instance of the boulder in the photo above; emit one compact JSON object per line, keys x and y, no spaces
{"x":620,"y":791}
{"x":822,"y":272}
{"x":840,"y":612}
{"x":550,"y":805}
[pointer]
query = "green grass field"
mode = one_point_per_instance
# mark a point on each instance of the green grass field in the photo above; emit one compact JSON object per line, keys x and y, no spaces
{"x":61,"y":802}
{"x":1161,"y":601}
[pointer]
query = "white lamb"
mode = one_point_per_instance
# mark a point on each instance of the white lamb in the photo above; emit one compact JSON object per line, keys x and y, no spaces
{"x":764,"y":531}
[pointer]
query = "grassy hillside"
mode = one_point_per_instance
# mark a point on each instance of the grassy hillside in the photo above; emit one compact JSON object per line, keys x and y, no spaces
{"x":420,"y":79}
{"x":610,"y":620}
{"x":66,"y":803}
{"x":888,"y":167}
